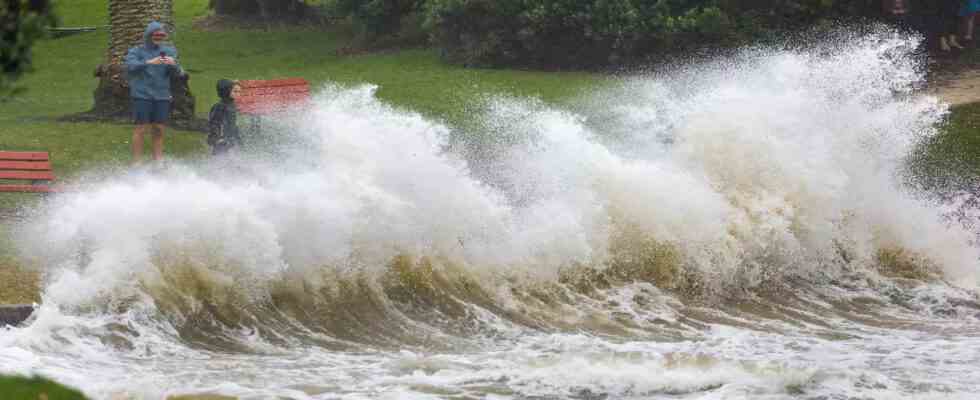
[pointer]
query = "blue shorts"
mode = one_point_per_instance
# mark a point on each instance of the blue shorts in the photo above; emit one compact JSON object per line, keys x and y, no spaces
{"x":151,"y":111}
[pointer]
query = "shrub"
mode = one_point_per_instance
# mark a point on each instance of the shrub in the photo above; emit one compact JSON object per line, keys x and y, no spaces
{"x":586,"y":33}
{"x":22,"y":22}
{"x":549,"y":33}
{"x":372,"y":18}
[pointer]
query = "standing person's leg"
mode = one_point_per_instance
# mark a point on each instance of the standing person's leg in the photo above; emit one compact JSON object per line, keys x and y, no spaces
{"x":932,"y":28}
{"x":137,"y":145}
{"x":973,"y":23}
{"x":948,"y":10}
{"x":158,"y":142}
{"x":968,"y":27}
{"x":142,"y":115}
{"x":967,"y":13}
{"x":161,"y":115}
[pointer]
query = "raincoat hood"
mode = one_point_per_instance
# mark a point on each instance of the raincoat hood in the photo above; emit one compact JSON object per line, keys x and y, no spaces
{"x":224,"y":89}
{"x":148,"y":34}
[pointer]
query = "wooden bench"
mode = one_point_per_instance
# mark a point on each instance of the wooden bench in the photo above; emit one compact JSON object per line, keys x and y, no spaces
{"x":16,"y":166}
{"x":264,"y":97}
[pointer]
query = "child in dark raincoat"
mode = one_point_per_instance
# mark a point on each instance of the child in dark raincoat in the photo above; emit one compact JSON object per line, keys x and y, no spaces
{"x":223,"y":134}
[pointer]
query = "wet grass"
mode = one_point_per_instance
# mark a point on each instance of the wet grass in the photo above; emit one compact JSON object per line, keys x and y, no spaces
{"x":36,"y":388}
{"x":951,"y":160}
{"x":39,"y":388}
{"x":18,"y":284}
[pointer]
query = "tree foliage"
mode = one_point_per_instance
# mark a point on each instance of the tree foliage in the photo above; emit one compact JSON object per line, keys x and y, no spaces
{"x":22,"y":23}
{"x":265,"y":9}
{"x":373,"y":17}
{"x":585,"y":33}
{"x":568,"y":32}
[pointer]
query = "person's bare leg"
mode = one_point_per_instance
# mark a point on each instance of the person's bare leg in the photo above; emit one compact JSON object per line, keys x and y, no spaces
{"x":968,"y":27}
{"x":137,"y":145}
{"x":157,"y":142}
{"x":973,"y":23}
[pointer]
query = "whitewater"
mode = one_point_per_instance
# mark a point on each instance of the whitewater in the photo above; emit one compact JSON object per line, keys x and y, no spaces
{"x":742,"y":228}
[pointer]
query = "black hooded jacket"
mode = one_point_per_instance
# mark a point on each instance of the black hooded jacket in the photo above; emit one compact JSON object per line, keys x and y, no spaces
{"x":222,"y":120}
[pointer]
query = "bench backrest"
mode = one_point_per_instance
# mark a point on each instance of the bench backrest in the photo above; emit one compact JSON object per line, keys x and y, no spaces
{"x":260,"y":97}
{"x":25,"y":166}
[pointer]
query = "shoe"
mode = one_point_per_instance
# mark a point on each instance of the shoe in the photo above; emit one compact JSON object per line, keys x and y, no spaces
{"x":944,"y":45}
{"x":954,"y":43}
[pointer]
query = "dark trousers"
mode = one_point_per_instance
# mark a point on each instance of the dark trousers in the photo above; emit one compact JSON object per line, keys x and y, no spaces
{"x":942,"y":19}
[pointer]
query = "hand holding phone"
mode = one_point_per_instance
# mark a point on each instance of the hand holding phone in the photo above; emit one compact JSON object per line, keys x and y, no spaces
{"x":166,"y":60}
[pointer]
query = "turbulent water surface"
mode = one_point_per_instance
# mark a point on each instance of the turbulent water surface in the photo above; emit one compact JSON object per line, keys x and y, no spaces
{"x":740,"y":229}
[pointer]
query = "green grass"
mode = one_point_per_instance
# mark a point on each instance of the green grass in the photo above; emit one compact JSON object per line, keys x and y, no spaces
{"x":76,"y":13}
{"x":35,"y":388}
{"x":952,"y":158}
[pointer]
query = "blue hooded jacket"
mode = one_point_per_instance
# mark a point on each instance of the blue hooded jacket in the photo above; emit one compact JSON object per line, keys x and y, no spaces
{"x":150,"y":81}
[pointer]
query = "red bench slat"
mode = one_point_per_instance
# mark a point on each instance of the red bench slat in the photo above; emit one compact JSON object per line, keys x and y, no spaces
{"x":23,"y":156}
{"x":272,"y":95}
{"x":27,"y":188}
{"x":272,"y":101}
{"x":265,"y":91}
{"x":256,"y":83}
{"x":26,"y":165}
{"x":27,"y":175}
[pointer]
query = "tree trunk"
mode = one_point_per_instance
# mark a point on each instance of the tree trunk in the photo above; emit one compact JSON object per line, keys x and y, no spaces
{"x":127,"y":21}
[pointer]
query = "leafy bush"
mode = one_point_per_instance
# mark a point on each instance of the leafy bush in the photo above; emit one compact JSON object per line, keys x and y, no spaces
{"x":281,"y":10}
{"x":755,"y":17}
{"x":373,"y":17}
{"x":22,"y":22}
{"x":584,"y":33}
{"x":568,"y":32}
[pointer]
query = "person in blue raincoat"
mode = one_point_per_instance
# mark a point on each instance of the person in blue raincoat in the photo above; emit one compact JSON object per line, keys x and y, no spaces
{"x":149,"y":69}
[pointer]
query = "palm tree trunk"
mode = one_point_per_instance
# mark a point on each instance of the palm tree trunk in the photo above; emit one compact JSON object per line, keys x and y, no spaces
{"x":127,"y":21}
